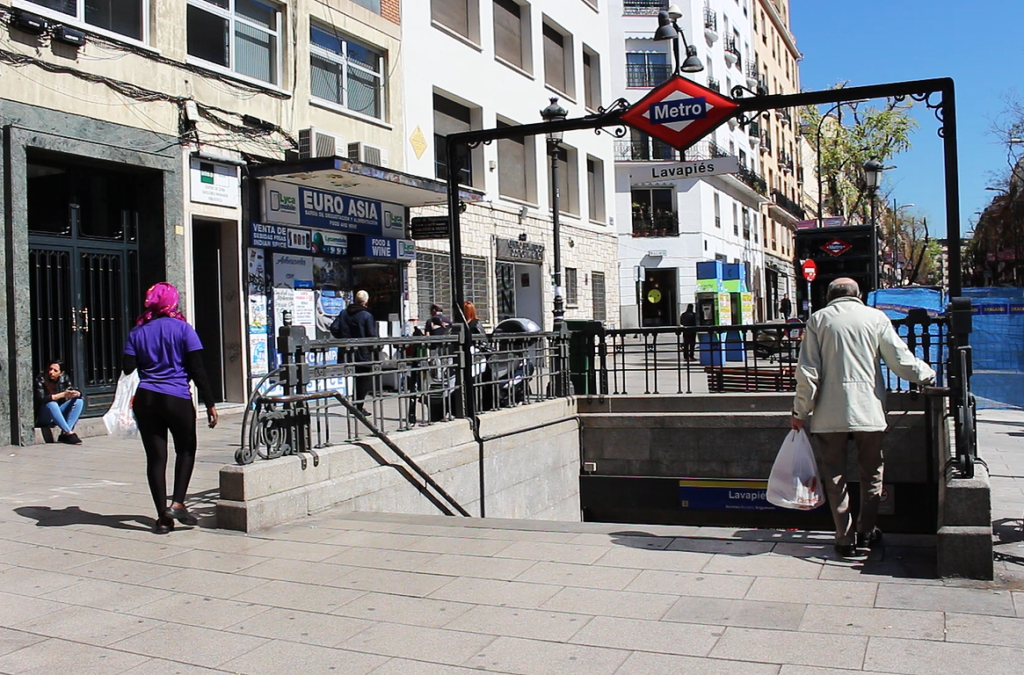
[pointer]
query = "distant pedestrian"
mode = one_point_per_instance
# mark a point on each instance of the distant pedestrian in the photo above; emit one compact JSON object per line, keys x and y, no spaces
{"x":356,"y":322}
{"x":785,"y":306}
{"x":168,"y":354}
{"x":472,"y":320}
{"x":438,"y":323}
{"x":688,"y":319}
{"x":839,"y":379}
{"x":58,"y":402}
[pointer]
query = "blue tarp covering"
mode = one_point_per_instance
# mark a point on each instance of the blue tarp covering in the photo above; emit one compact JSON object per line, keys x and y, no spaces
{"x":997,"y":338}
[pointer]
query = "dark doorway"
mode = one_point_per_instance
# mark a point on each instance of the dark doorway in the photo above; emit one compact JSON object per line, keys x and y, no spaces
{"x":658,"y":298}
{"x":84,"y":221}
{"x":207,"y":306}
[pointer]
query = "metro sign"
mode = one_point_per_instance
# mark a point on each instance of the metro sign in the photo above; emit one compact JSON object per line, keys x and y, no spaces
{"x":836,"y":247}
{"x":679,"y":112}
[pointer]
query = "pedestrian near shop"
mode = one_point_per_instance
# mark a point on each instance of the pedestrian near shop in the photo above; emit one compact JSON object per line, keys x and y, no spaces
{"x":688,"y":319}
{"x":168,"y":353}
{"x":355,"y":322}
{"x":840,"y":391}
{"x":785,"y":306}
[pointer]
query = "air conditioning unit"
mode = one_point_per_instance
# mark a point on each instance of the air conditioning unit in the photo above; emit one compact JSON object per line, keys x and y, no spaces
{"x":367,"y":154}
{"x":316,"y":143}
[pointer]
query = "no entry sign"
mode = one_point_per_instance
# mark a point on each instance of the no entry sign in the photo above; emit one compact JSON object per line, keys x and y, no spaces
{"x":810,"y":270}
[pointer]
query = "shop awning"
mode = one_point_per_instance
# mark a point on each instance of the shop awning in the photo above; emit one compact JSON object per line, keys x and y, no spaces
{"x":335,"y":174}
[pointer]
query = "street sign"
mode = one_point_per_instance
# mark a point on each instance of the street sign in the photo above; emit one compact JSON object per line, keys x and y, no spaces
{"x":685,"y":170}
{"x":679,"y":112}
{"x":429,"y":227}
{"x":810,"y":270}
{"x":836,"y":247}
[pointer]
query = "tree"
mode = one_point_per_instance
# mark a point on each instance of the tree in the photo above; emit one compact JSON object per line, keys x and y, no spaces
{"x":853,"y":134}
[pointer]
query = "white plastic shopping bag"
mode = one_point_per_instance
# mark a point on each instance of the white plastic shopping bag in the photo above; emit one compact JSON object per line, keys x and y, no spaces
{"x":120,"y":420}
{"x":794,"y":481}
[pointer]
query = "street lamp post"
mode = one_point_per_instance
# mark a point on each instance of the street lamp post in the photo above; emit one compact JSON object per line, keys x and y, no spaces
{"x":872,"y":176}
{"x":668,"y":29}
{"x":555,"y":113}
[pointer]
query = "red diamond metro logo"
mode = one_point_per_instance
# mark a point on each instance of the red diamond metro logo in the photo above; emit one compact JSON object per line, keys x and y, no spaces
{"x":836,"y":247}
{"x":679,"y":112}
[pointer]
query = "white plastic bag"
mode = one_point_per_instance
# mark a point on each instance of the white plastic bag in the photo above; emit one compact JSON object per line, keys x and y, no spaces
{"x":120,"y":420}
{"x":794,"y":481}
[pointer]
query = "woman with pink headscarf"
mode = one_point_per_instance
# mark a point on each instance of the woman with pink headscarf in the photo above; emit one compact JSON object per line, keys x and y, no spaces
{"x":168,"y":354}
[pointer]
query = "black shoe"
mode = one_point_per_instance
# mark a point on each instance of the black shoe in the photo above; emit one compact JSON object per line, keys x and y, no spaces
{"x":71,"y":438}
{"x":845,"y":550}
{"x":870,"y":539}
{"x":163,"y":525}
{"x":182,"y":516}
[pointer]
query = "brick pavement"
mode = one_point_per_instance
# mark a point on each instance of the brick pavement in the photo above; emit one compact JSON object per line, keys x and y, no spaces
{"x":86,"y":588}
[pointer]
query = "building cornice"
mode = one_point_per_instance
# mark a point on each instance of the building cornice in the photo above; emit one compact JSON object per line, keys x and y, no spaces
{"x":781,"y":27}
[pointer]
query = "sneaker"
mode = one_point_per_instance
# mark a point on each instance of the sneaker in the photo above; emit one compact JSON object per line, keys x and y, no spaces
{"x":71,"y":438}
{"x":845,"y":550}
{"x":870,"y":539}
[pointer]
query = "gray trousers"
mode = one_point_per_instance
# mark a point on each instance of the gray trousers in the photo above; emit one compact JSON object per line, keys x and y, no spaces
{"x":832,"y":461}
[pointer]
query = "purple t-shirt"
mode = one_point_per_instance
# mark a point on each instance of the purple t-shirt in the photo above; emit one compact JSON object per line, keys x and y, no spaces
{"x":159,"y":348}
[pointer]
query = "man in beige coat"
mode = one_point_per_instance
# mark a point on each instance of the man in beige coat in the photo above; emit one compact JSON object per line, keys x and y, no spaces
{"x":839,"y":379}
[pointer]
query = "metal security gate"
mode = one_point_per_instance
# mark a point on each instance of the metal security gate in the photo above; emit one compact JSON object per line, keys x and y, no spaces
{"x":82,"y":303}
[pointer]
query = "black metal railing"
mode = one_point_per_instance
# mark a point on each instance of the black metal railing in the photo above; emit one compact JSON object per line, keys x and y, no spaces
{"x":788,"y":205}
{"x":643,"y":7}
{"x":644,"y":150}
{"x":731,"y":47}
{"x":402,"y":383}
{"x":716,"y":359}
{"x":710,"y":19}
{"x":647,"y":74}
{"x":753,"y":180}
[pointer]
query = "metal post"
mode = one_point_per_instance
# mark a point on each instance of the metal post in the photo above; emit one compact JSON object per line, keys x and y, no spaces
{"x":559,"y":307}
{"x":874,"y":242}
{"x":952,"y":187}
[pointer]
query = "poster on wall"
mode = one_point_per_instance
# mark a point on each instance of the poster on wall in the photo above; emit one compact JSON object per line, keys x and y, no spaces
{"x":292,"y":271}
{"x":258,"y":360}
{"x":304,"y":310}
{"x":284,"y":301}
{"x":258,"y":314}
{"x":257,"y":273}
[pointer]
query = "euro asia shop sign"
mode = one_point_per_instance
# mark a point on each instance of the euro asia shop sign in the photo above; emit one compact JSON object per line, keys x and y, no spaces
{"x":663,"y":172}
{"x":287,"y":204}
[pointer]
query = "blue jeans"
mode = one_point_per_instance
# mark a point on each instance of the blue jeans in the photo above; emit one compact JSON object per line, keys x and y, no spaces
{"x":65,"y":415}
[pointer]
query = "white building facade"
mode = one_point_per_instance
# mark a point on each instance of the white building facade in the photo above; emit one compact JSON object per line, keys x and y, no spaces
{"x":481,"y":64}
{"x":665,"y":228}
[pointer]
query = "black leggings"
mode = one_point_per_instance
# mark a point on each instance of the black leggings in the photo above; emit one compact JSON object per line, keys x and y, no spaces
{"x":157,"y":414}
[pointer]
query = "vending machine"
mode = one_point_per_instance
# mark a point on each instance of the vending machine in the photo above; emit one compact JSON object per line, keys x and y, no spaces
{"x":741,"y":306}
{"x":714,"y":308}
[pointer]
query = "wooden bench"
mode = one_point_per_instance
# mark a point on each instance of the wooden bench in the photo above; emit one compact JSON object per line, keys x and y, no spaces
{"x":751,"y":379}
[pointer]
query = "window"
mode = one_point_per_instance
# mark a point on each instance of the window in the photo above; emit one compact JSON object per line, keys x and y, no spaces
{"x":558,"y":60}
{"x":571,"y":287}
{"x":646,"y":69}
{"x":372,"y":5}
{"x":124,"y":17}
{"x":450,"y":118}
{"x":434,"y":283}
{"x":346,"y":72}
{"x":591,"y":79}
{"x":568,"y":179}
{"x":595,"y":189}
{"x":508,"y":31}
{"x":735,"y":221}
{"x":597,"y":289}
{"x":746,"y":225}
{"x":654,"y":213}
{"x":240,"y":35}
{"x":514,"y":172}
{"x":718,"y":211}
{"x":458,"y":16}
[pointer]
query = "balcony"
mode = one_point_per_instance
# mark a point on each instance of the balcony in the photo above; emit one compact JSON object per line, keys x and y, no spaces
{"x":710,"y":25}
{"x":643,"y":7}
{"x":660,"y":224}
{"x":732,"y":52}
{"x":647,"y":150}
{"x":753,"y":76}
{"x":752,"y":180}
{"x":714,"y":84}
{"x":788,"y":205}
{"x":647,"y":74}
{"x":766,"y":142}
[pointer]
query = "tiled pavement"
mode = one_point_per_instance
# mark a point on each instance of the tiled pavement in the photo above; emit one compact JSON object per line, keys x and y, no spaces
{"x":86,"y":588}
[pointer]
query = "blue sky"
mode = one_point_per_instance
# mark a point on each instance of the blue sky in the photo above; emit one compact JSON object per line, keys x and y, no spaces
{"x":977,"y":44}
